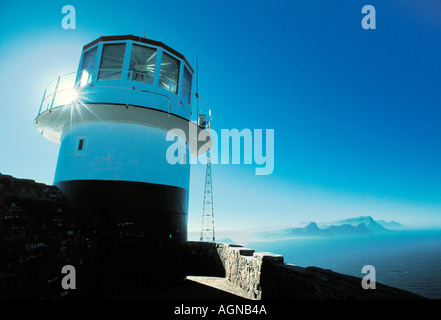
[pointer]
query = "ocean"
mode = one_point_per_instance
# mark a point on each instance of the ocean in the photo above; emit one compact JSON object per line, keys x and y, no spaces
{"x":409,"y":260}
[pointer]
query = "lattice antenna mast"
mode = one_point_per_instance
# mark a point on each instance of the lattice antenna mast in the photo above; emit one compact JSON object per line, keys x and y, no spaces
{"x":207,"y":228}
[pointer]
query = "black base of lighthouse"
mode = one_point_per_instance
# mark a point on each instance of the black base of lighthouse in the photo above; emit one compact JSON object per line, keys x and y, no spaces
{"x":136,"y":233}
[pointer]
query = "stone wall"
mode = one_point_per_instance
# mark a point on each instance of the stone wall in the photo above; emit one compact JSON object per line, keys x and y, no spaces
{"x":265,"y":276}
{"x":243,"y":267}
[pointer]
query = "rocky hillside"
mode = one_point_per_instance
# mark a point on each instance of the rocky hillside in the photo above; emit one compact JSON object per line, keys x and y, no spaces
{"x":38,"y":236}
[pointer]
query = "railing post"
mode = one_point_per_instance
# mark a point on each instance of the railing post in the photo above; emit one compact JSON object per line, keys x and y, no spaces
{"x":42,"y":100}
{"x":169,"y":97}
{"x":197,"y":108}
{"x":55,"y":92}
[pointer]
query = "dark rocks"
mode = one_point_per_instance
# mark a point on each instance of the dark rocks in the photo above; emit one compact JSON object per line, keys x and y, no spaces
{"x":38,"y":236}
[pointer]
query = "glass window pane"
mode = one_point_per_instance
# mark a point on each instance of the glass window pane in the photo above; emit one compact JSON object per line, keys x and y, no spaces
{"x":142,"y":64}
{"x":87,"y":66}
{"x":112,"y":62}
{"x":169,"y":73}
{"x":186,"y":85}
{"x":88,"y":62}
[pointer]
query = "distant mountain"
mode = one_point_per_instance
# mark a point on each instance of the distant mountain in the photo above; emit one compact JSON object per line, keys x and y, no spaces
{"x":392,"y":225}
{"x":348,"y":227}
{"x":346,"y":230}
{"x":225,"y":240}
{"x":369,"y":223}
{"x":310,"y":230}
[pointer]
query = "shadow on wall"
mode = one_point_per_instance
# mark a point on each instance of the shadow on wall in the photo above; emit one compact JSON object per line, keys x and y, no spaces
{"x":203,"y":259}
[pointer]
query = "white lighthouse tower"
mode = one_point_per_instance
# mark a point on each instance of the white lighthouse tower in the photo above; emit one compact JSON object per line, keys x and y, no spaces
{"x":111,"y":119}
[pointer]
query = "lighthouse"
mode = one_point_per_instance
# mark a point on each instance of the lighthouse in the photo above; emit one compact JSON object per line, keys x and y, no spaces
{"x":111,"y":118}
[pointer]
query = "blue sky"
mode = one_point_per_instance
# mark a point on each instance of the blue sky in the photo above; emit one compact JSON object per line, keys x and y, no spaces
{"x":356,"y":112}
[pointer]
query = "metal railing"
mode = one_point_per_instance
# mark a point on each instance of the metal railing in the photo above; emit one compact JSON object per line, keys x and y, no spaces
{"x":78,"y":87}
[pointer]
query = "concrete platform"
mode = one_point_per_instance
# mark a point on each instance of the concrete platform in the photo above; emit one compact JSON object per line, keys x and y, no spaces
{"x":194,"y":288}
